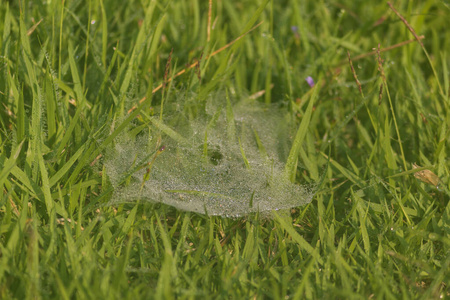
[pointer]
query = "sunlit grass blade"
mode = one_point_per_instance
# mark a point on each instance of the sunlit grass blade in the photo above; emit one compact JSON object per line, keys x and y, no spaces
{"x":291,"y":164}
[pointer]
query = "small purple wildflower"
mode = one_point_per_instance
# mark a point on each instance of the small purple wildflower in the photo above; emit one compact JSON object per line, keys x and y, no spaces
{"x":310,"y":81}
{"x":294,"y":29}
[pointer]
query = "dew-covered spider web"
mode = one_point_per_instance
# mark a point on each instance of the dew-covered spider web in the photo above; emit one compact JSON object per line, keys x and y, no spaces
{"x":220,"y":159}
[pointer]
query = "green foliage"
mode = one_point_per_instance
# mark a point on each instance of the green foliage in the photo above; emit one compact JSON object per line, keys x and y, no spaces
{"x":72,"y":76}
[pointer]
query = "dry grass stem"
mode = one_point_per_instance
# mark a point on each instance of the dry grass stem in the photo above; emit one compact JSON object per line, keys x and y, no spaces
{"x":354,"y":73}
{"x":195,"y":64}
{"x":361,"y":56}
{"x":406,"y":23}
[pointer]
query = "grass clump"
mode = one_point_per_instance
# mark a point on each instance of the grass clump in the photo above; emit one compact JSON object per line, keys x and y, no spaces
{"x":78,"y":81}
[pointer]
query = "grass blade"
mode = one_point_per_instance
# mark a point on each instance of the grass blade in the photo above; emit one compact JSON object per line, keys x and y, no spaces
{"x":291,"y":164}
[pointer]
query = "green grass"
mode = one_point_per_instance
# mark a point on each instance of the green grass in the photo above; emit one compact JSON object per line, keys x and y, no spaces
{"x":373,"y":230}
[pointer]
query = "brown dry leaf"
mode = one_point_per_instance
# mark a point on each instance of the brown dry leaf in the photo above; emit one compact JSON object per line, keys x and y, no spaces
{"x":426,"y":176}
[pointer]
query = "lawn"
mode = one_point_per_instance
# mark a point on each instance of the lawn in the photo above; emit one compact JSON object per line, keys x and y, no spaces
{"x":224,"y":149}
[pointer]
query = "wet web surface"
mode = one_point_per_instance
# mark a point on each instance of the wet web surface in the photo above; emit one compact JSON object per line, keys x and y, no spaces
{"x":228,"y":162}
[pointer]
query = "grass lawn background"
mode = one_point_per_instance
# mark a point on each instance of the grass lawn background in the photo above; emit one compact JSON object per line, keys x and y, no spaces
{"x":72,"y":77}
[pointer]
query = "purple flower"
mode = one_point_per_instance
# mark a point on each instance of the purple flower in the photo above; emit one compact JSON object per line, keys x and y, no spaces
{"x":310,"y":81}
{"x":294,"y":29}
